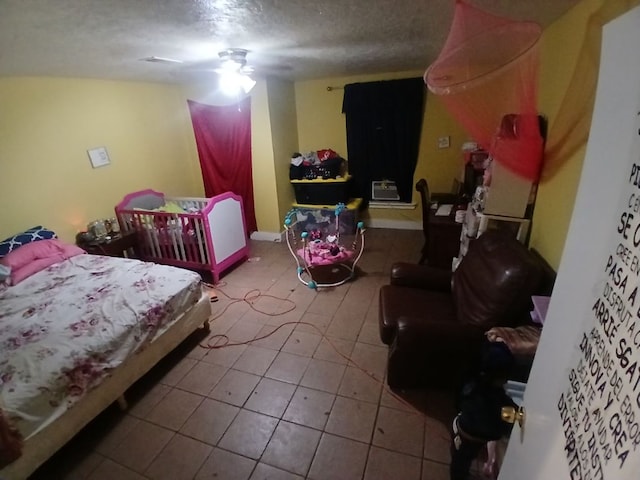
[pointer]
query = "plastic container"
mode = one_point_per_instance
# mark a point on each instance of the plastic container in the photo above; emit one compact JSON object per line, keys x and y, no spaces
{"x":323,"y":217}
{"x":322,"y":192}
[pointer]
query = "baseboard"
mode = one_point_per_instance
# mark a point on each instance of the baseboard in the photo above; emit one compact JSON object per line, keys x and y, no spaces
{"x":268,"y":236}
{"x":371,"y":223}
{"x":393,"y":224}
{"x":373,"y":204}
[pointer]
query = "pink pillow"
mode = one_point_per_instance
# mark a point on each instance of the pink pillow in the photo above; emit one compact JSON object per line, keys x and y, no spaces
{"x":33,"y":257}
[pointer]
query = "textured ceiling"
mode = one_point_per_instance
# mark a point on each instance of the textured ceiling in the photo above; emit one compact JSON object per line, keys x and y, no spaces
{"x":297,"y":39}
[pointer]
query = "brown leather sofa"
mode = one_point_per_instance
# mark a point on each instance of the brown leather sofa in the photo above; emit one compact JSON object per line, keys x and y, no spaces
{"x":434,"y":321}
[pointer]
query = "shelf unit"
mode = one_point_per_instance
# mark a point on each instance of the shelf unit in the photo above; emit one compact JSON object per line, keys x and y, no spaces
{"x":502,"y":205}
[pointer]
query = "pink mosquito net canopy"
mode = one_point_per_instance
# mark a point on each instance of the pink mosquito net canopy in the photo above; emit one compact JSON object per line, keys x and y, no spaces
{"x":486,"y":75}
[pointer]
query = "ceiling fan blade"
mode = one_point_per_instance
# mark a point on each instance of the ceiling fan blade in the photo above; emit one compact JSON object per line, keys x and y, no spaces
{"x":232,"y":59}
{"x":154,"y":59}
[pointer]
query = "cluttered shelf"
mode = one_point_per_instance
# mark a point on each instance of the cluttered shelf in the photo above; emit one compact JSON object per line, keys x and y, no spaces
{"x":121,"y":244}
{"x":320,"y":178}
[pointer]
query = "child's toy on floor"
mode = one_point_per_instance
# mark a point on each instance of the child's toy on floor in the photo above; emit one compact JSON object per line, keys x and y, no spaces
{"x":322,"y":261}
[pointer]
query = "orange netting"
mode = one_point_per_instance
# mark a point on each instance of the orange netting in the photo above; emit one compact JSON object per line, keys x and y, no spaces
{"x":486,"y":75}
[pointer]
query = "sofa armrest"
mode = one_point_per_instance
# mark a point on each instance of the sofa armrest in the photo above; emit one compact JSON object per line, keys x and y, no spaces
{"x":420,"y":276}
{"x":445,"y":336}
{"x":427,"y":353}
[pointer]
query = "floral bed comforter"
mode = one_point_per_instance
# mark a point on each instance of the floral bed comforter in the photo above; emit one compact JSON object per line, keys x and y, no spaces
{"x":65,"y":328}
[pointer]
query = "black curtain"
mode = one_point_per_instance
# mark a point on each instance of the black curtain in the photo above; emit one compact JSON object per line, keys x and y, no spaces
{"x":384,"y":122}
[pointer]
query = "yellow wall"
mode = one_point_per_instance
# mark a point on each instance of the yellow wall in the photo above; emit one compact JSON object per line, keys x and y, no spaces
{"x":47,"y":124}
{"x":568,"y":75}
{"x":273,"y":139}
{"x":46,"y":127}
{"x":321,"y":124}
{"x":262,"y":145}
{"x":284,"y":135}
{"x":264,"y":176}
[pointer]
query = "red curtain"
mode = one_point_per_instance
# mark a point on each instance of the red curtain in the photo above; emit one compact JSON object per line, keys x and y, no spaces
{"x":223,"y":138}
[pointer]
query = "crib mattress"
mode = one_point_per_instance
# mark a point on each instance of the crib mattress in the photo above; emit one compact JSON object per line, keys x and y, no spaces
{"x":65,"y":328}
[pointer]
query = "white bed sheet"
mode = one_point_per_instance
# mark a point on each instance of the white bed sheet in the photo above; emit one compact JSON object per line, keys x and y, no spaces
{"x":65,"y":328}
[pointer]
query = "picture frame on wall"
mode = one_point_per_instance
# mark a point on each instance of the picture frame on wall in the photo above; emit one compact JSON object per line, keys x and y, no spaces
{"x":99,"y":157}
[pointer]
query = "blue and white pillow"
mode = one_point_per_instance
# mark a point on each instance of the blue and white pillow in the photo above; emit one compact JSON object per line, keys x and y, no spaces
{"x":32,"y":235}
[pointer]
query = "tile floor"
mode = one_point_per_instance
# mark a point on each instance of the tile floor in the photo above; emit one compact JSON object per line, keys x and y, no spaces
{"x":295,"y":404}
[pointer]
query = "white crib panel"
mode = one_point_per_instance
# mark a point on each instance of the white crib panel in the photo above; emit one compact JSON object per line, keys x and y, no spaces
{"x":231,"y":237}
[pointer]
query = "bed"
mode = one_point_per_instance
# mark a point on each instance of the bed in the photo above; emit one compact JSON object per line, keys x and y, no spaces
{"x":199,"y":233}
{"x":76,"y":332}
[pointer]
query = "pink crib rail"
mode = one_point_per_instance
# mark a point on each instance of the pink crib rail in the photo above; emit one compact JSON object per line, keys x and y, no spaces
{"x":176,"y":238}
{"x":185,"y":239}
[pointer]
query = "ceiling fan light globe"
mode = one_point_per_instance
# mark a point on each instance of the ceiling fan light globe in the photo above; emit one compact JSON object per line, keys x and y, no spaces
{"x":233,"y":83}
{"x":247,"y":83}
{"x":229,"y":66}
{"x":229,"y":84}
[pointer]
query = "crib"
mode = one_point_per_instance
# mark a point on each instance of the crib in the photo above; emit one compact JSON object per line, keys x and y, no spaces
{"x":206,"y":234}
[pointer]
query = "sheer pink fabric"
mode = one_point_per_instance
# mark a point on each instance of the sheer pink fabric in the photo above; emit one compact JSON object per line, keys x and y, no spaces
{"x":486,"y":75}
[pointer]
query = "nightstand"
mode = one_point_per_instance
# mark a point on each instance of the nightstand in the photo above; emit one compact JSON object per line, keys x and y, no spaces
{"x":120,"y":245}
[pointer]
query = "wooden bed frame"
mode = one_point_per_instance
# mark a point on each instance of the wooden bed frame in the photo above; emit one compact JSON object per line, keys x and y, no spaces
{"x":45,"y":443}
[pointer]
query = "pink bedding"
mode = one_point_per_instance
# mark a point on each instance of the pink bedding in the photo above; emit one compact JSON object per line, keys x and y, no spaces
{"x":63,"y":329}
{"x":35,"y":256}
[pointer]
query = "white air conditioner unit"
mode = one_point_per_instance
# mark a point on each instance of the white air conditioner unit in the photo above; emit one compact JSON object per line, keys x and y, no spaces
{"x":385,"y":191}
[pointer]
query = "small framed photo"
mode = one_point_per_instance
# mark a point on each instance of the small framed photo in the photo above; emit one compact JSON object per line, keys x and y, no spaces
{"x":444,"y":142}
{"x":99,"y":157}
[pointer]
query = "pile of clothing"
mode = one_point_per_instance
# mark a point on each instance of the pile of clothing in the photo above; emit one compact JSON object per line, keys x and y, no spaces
{"x":323,"y":164}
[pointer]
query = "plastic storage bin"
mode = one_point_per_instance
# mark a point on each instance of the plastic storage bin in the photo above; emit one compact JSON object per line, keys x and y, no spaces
{"x":323,"y":217}
{"x":322,"y":192}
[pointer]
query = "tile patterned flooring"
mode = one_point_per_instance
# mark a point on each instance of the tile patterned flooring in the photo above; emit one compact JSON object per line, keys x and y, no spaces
{"x":295,"y":404}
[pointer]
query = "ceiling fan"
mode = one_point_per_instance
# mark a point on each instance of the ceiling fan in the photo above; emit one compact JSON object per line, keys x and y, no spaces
{"x":231,"y":67}
{"x":234,"y":74}
{"x":234,"y":60}
{"x":229,"y":59}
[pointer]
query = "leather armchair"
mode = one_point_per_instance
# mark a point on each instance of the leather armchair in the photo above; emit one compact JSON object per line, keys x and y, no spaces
{"x":434,"y":320}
